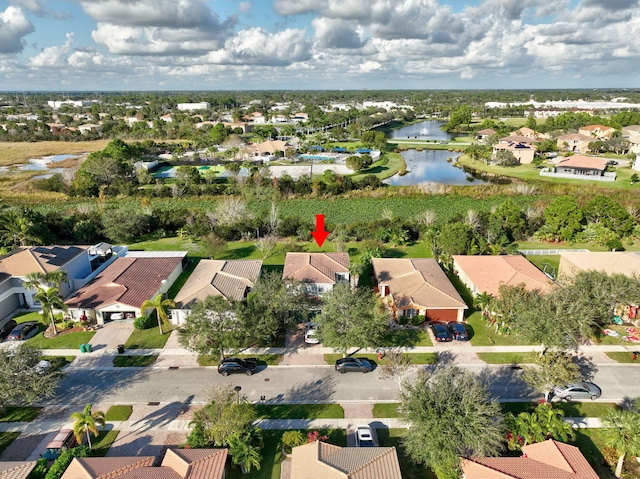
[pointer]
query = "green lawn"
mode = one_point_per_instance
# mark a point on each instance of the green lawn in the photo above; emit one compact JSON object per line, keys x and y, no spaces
{"x":103,"y":442}
{"x":262,"y":359}
{"x":147,"y":339}
{"x":416,"y":358}
{"x":626,"y":357}
{"x":482,"y":333}
{"x":621,"y":329}
{"x":570,"y":409}
{"x":182,"y":279}
{"x":118,"y":413}
{"x":19,"y":413}
{"x":410,"y":470}
{"x":591,"y":443}
{"x":548,"y":263}
{"x":300,"y":411}
{"x":6,"y":438}
{"x":134,"y":361}
{"x":271,"y":459}
{"x":62,"y":341}
{"x":507,"y":358}
{"x":382,"y":410}
{"x":59,"y":362}
{"x":406,"y":337}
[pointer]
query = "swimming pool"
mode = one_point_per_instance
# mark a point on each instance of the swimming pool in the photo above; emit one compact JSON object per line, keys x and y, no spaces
{"x":316,"y":157}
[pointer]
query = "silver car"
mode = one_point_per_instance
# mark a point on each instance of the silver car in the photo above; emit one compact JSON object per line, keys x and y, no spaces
{"x":583,"y":390}
{"x":364,"y":436}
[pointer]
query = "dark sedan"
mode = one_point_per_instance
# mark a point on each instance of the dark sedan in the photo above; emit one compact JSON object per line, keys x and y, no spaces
{"x":236,"y":365}
{"x":6,"y":329}
{"x":458,"y":331}
{"x":440,"y":332}
{"x":358,"y":365}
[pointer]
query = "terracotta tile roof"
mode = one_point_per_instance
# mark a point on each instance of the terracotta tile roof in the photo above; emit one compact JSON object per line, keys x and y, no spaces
{"x":581,"y":161}
{"x":38,"y":259}
{"x":176,"y":464}
{"x":327,"y":461}
{"x":417,"y":282}
{"x":486,"y":131}
{"x":16,"y":469}
{"x":611,"y":262}
{"x":487,"y":273}
{"x":545,"y":460}
{"x":230,"y":279}
{"x":127,"y":280}
{"x":576,"y":136}
{"x":318,"y":268}
{"x":595,"y":128}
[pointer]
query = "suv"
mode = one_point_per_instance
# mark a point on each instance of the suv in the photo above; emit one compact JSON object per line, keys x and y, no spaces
{"x":7,"y":328}
{"x":63,"y":440}
{"x":364,"y":436}
{"x":440,"y":332}
{"x":458,"y":331}
{"x":23,"y":331}
{"x":344,"y":365}
{"x":310,"y":333}
{"x":235,"y":365}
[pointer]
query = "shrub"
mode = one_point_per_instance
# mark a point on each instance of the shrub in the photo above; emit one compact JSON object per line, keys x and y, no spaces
{"x":291,"y":439}
{"x":144,"y":322}
{"x":60,"y":465}
{"x":40,"y":470}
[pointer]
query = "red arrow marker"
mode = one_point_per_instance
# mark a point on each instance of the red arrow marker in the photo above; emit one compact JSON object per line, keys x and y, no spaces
{"x":320,"y":234}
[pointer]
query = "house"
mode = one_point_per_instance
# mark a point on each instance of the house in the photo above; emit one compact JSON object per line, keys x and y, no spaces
{"x":176,"y":464}
{"x":257,"y":118}
{"x":418,"y":286}
{"x":88,"y":128}
{"x":524,"y":152}
{"x":231,"y":279}
{"x":80,"y":263}
{"x":574,"y":142}
{"x":598,"y":132}
{"x":119,"y":290}
{"x":485,"y":274}
{"x":544,"y":460}
{"x":526,"y":132}
{"x":612,"y":262}
{"x":318,"y":271}
{"x":580,"y":165}
{"x":483,"y":135}
{"x":16,"y":469}
{"x":507,"y":140}
{"x":265,"y":150}
{"x":631,"y":133}
{"x":320,"y":460}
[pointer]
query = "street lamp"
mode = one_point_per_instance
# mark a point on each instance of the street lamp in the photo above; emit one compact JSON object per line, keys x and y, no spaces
{"x":237,"y":389}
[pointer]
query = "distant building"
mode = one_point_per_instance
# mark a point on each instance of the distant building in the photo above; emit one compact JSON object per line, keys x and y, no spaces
{"x":193,"y":106}
{"x":55,"y":104}
{"x":524,"y":152}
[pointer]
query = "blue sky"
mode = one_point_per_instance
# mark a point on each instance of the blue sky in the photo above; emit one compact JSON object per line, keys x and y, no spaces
{"x":65,"y":45}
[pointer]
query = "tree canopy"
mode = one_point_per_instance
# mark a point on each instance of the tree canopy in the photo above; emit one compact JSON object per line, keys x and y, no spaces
{"x":450,"y":416}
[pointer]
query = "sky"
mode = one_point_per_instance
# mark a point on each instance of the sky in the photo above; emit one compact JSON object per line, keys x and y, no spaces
{"x":100,"y":45}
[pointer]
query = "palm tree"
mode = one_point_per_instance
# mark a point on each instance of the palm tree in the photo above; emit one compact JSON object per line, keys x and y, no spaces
{"x":622,"y":431}
{"x":47,"y":293}
{"x":529,"y":428}
{"x":15,"y":229}
{"x":87,"y":422}
{"x":483,"y":301}
{"x":553,"y":424}
{"x":244,"y":453}
{"x":160,"y":305}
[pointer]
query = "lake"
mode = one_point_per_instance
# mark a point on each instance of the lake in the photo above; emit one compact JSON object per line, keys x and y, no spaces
{"x":432,"y":165}
{"x":424,"y":130}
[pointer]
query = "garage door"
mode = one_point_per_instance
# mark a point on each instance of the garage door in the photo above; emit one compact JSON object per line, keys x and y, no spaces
{"x":442,"y":314}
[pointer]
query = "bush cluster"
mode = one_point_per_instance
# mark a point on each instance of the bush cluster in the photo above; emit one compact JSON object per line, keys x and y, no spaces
{"x":144,"y":322}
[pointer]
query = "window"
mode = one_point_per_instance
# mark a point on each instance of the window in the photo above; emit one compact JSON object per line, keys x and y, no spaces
{"x":410,"y":313}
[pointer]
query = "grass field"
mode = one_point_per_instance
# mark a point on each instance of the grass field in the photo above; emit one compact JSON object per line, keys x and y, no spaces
{"x":627,"y":357}
{"x":262,"y":359}
{"x":147,"y":338}
{"x":416,"y":358}
{"x":118,"y":413}
{"x":134,"y":361}
{"x":569,"y":409}
{"x":6,"y":438}
{"x":103,"y":442}
{"x":507,"y":358}
{"x":19,"y":413}
{"x":483,"y":334}
{"x":300,"y":411}
{"x":383,"y":410}
{"x":14,"y":153}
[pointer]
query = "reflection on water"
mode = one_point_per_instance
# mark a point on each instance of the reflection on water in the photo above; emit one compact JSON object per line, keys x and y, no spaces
{"x":35,"y":164}
{"x":432,"y":165}
{"x":425,"y":130}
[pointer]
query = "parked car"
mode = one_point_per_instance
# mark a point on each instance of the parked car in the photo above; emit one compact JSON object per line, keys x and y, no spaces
{"x":23,"y":331}
{"x":358,"y":365}
{"x":310,"y":334}
{"x":440,"y":332}
{"x":583,"y":390}
{"x":236,"y":365}
{"x":458,"y":331}
{"x":63,"y":440}
{"x":364,"y":436}
{"x":7,"y":328}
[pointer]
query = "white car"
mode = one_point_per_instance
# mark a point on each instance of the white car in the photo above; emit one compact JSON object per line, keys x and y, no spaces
{"x":364,"y":436}
{"x":310,"y":334}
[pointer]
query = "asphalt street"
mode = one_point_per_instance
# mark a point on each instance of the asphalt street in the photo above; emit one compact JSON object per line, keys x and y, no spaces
{"x":297,"y":384}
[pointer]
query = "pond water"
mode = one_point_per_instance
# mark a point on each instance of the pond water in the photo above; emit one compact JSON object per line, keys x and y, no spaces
{"x":432,"y":165}
{"x":36,"y":164}
{"x":424,"y":130}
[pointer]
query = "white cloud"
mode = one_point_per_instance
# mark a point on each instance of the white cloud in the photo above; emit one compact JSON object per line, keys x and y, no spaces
{"x":245,"y":7}
{"x":55,"y":56}
{"x":297,"y":7}
{"x":331,"y":33}
{"x":14,"y":26}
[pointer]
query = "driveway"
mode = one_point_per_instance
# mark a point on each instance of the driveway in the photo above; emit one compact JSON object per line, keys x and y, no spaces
{"x":111,"y":334}
{"x":299,"y":352}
